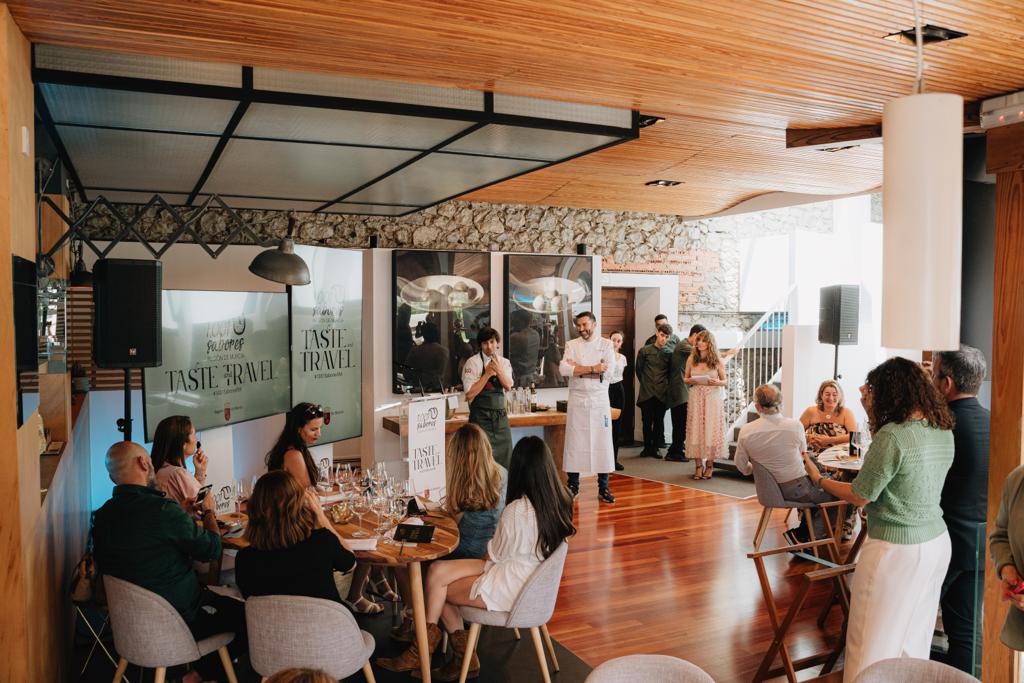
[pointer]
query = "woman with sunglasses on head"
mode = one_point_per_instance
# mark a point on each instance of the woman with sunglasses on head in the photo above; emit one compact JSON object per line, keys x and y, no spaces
{"x":895,"y":591}
{"x":536,"y":520}
{"x":302,"y":427}
{"x":175,"y":440}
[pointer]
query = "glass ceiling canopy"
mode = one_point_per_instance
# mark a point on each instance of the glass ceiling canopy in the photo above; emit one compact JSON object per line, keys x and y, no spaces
{"x":130,"y":126}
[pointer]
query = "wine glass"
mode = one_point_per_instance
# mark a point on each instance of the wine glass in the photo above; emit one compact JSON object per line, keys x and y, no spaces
{"x":360,"y":506}
{"x":381,"y":506}
{"x":241,"y":494}
{"x":395,"y":513}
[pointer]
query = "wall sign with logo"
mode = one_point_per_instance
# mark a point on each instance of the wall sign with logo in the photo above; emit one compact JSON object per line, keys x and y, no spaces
{"x":225,"y":359}
{"x":326,"y":325}
{"x":426,"y":444}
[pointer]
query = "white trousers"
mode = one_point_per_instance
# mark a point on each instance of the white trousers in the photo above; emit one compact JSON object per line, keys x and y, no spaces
{"x":894,"y":601}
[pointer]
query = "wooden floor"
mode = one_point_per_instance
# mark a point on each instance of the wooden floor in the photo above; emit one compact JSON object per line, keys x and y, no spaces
{"x":664,"y":571}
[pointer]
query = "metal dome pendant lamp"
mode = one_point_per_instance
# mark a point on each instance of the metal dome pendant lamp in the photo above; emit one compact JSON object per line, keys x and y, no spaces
{"x":922,"y":139}
{"x":282,"y":264}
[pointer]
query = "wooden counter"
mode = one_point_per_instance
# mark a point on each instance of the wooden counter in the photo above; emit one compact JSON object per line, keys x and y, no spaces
{"x":552,"y":421}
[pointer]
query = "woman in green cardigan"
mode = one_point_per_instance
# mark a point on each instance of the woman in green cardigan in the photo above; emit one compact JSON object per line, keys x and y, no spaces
{"x":895,"y":592}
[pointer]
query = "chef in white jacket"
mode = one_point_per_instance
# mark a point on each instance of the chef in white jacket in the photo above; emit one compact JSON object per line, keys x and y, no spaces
{"x":588,"y":427}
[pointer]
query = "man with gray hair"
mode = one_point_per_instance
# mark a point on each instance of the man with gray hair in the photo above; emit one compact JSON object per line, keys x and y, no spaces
{"x":958,"y":376}
{"x":778,"y":444}
{"x":149,"y":540}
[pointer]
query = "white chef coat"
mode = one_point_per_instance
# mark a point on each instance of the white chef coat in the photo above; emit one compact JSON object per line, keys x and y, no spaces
{"x":616,"y":370}
{"x":474,"y":369}
{"x":588,"y":424}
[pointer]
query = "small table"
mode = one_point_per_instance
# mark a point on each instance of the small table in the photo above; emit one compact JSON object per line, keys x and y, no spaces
{"x":837,"y":459}
{"x":446,"y":539}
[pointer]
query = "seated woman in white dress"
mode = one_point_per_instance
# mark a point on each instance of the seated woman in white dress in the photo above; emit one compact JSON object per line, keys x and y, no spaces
{"x":536,"y":520}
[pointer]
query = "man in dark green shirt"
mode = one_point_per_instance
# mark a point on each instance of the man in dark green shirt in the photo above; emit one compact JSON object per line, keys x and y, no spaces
{"x":652,"y":367}
{"x":146,"y":539}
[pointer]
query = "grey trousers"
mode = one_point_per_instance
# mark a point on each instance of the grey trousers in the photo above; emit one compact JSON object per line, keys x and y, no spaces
{"x":803,"y":490}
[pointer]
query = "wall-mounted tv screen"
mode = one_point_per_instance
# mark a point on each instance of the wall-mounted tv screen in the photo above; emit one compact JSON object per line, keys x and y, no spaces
{"x":225,"y":359}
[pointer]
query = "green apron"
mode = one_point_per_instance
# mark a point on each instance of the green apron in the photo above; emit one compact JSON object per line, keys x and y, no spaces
{"x":488,"y":412}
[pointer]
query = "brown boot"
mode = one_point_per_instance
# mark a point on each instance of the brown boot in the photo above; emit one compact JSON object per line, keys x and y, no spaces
{"x":453,"y":669}
{"x":410,"y":659}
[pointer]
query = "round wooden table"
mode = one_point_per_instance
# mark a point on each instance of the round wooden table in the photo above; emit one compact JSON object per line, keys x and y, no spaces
{"x":836,"y":459}
{"x":446,"y":539}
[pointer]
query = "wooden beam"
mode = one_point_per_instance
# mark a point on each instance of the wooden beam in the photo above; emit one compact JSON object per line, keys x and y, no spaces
{"x":1006,"y":446}
{"x":1005,"y":149}
{"x":824,"y":138}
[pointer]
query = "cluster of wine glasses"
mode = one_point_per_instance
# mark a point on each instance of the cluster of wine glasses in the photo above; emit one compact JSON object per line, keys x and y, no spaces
{"x":372,"y":490}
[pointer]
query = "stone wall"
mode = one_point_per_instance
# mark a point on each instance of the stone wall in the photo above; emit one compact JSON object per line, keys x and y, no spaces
{"x":704,"y":253}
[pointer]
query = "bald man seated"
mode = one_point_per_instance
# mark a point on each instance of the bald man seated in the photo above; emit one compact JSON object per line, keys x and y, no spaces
{"x":149,"y":540}
{"x":778,"y":443}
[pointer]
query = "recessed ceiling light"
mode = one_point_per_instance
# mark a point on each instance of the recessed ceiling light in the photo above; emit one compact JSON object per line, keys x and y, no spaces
{"x":649,"y":120}
{"x":929,"y":34}
{"x":663,"y":183}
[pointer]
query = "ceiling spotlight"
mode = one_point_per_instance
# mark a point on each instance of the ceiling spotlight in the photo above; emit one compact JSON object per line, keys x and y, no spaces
{"x":649,"y":120}
{"x":929,"y":34}
{"x":282,"y":264}
{"x":663,"y":183}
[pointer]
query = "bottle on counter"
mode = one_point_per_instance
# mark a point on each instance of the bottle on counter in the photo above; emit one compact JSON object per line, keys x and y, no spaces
{"x":533,"y":397}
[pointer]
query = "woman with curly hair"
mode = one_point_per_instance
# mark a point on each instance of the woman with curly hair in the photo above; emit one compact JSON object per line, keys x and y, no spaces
{"x":895,"y":593}
{"x":705,"y":417}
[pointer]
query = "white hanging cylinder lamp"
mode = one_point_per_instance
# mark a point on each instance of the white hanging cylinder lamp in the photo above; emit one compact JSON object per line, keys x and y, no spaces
{"x":922,"y":204}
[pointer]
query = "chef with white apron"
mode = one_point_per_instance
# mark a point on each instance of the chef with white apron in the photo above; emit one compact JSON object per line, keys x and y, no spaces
{"x":588,"y":426}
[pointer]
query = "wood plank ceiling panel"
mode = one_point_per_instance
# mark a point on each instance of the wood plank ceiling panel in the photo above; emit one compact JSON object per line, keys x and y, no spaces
{"x":729,"y":76}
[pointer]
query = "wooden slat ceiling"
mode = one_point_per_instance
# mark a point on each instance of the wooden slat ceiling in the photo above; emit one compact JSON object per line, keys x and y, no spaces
{"x":729,"y":76}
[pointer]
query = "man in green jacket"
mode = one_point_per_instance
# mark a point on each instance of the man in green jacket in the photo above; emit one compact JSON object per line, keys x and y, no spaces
{"x":149,"y":540}
{"x":679,"y":395}
{"x":652,"y":369}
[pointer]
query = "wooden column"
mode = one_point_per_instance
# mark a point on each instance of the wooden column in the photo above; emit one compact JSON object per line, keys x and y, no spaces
{"x":17,"y":236}
{"x":1005,"y":151}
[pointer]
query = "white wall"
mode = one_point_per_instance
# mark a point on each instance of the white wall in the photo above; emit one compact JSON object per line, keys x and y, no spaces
{"x":764,"y":271}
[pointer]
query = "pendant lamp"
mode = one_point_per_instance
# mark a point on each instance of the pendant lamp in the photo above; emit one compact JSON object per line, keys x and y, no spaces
{"x":922,"y":196}
{"x":282,"y":264}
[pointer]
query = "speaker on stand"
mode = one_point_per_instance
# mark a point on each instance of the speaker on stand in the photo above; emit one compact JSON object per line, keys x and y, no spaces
{"x":838,"y":316}
{"x":127,"y":323}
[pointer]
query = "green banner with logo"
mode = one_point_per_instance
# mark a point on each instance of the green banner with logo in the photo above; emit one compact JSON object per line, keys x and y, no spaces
{"x":327,"y":339}
{"x":225,"y":359}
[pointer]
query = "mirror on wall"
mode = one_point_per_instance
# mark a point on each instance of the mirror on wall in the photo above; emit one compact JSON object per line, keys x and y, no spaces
{"x":441,"y":299}
{"x":543,"y":293}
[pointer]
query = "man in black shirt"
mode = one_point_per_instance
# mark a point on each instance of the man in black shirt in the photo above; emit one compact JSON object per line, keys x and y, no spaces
{"x":958,"y":375}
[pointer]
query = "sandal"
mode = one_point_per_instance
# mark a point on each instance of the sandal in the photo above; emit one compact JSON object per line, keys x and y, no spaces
{"x":708,"y":469}
{"x":363,"y":606}
{"x":697,"y":472}
{"x":380,"y":588}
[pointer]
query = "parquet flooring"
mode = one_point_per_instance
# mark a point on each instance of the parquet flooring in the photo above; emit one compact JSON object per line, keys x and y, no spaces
{"x":664,"y":571}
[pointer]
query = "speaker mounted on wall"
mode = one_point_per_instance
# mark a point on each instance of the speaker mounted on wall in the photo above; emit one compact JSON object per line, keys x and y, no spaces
{"x":838,"y":315}
{"x":26,"y":324}
{"x":127,"y":323}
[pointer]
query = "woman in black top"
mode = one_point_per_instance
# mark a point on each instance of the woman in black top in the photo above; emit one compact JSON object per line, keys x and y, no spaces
{"x":293,"y":549}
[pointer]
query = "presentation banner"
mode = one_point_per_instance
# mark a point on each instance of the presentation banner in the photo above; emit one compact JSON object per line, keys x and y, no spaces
{"x":327,"y":339}
{"x":225,"y":359}
{"x":426,"y":444}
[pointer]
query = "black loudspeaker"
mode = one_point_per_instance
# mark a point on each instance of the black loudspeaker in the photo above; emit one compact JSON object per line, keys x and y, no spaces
{"x":26,"y":325}
{"x":581,"y":249}
{"x":127,"y":323}
{"x":838,"y":314}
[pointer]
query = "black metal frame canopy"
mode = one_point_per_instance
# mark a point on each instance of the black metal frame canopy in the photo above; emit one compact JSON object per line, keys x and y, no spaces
{"x":131,"y":126}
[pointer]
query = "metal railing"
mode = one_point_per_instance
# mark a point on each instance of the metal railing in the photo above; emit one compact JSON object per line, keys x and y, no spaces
{"x":755,"y":360}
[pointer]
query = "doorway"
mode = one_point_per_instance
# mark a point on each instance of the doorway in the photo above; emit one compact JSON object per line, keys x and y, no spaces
{"x":618,"y":312}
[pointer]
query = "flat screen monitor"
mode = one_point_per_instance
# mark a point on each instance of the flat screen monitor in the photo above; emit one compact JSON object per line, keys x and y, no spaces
{"x":225,"y":359}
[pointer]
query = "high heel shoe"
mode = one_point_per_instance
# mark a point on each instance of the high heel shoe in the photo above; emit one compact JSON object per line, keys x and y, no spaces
{"x":380,"y":588}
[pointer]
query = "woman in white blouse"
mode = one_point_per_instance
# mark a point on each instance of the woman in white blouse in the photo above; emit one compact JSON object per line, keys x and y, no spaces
{"x":536,"y":520}
{"x":616,"y":391}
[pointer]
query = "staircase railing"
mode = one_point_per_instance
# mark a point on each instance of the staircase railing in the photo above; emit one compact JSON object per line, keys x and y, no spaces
{"x":756,"y":359}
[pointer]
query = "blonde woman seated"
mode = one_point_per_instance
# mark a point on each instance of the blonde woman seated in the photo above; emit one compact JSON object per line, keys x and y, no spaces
{"x":828,"y":422}
{"x":475,"y":489}
{"x":536,"y":520}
